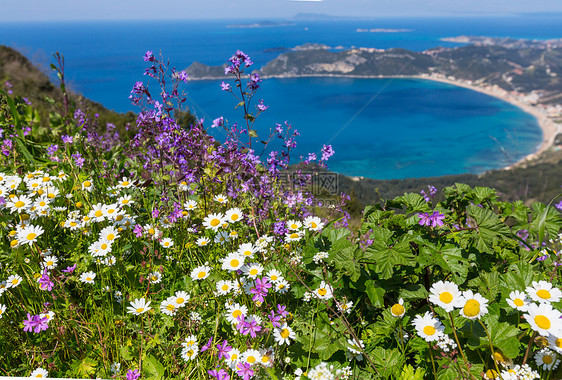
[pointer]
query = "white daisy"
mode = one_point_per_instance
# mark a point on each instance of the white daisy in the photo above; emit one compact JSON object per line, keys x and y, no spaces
{"x":189,"y":353}
{"x":221,"y":198}
{"x":294,"y":225}
{"x":190,"y":205}
{"x":555,"y":343}
{"x":19,"y":204}
{"x":109,"y":234}
{"x":2,"y":310}
{"x":234,"y":215}
{"x":200,"y":273}
{"x":29,"y":234}
{"x":169,"y":306}
{"x":397,"y":310}
{"x":234,"y":311}
{"x":213,"y":221}
{"x":247,"y":250}
{"x":13,"y":281}
{"x":428,"y":327}
{"x":546,"y":359}
{"x":251,"y":357}
{"x":39,"y":373}
{"x":283,"y":335}
{"x":445,"y":294}
{"x":139,"y":306}
{"x":544,"y":319}
{"x":252,"y":270}
{"x":50,"y":262}
{"x":518,"y":300}
{"x":234,"y":358}
{"x":88,"y":185}
{"x":155,"y":277}
{"x":224,"y":287}
{"x":87,"y":277}
{"x":125,"y":200}
{"x":181,"y":298}
{"x":543,"y":291}
{"x":274,"y":275}
{"x":202,"y":242}
{"x":166,"y":243}
{"x":324,"y":291}
{"x":473,"y":305}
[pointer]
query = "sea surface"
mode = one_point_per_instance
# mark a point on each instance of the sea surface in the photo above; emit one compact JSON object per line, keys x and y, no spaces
{"x":378,"y":128}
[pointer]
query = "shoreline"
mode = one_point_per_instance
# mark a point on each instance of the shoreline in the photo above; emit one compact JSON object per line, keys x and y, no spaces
{"x":549,"y":128}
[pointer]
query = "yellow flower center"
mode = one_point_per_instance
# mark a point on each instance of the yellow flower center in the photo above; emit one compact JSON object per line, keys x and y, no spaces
{"x":236,"y":313}
{"x":20,"y":204}
{"x":253,"y":271}
{"x":180,"y":300}
{"x":125,"y":183}
{"x":544,"y":294}
{"x":491,"y":374}
{"x":151,"y":231}
{"x":140,"y":310}
{"x":31,"y":236}
{"x":103,"y":246}
{"x":51,"y":195}
{"x":204,"y":242}
{"x":88,"y":279}
{"x":471,"y":308}
{"x":284,"y":333}
{"x":273,"y":278}
{"x":281,"y":286}
{"x":15,"y":281}
{"x":201,"y":274}
{"x":111,"y":211}
{"x":429,"y":330}
{"x":119,"y":218}
{"x":313,"y":225}
{"x":49,"y":263}
{"x":234,"y":217}
{"x":518,"y":302}
{"x":547,"y":359}
{"x":247,"y":253}
{"x":13,"y":243}
{"x":445,"y":297}
{"x":87,"y":184}
{"x":322,"y":291}
{"x":110,"y":237}
{"x":225,"y":287}
{"x":170,"y":307}
{"x":498,"y":356}
{"x":215,"y":222}
{"x":559,"y":343}
{"x":294,"y":236}
{"x":251,"y":359}
{"x":397,"y":309}
{"x":125,"y":201}
{"x":98,"y":213}
{"x":294,"y":226}
{"x":543,"y":322}
{"x":40,"y":191}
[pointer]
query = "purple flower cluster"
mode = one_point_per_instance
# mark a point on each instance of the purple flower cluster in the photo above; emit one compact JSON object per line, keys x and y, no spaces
{"x":260,"y":289}
{"x":221,"y":374}
{"x":35,"y":323}
{"x":432,"y":220}
{"x":236,"y":61}
{"x":45,"y":282}
{"x":432,"y":191}
{"x":250,"y":326}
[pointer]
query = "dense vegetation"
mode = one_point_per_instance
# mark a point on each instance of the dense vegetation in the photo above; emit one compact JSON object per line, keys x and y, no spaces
{"x":173,"y":255}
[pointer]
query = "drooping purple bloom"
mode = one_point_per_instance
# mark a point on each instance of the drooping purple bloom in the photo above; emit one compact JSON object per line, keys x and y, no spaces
{"x":327,"y":152}
{"x":208,"y":345}
{"x":69,"y":269}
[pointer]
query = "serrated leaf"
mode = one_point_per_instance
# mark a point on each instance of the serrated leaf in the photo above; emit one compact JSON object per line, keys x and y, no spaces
{"x":388,"y":362}
{"x":489,"y":228}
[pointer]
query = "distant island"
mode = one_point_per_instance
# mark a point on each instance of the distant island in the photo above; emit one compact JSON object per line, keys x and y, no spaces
{"x":261,"y":24}
{"x":382,"y":30}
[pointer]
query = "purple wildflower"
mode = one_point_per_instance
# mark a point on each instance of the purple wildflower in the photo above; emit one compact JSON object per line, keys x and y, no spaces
{"x":45,"y":282}
{"x":221,"y":374}
{"x":327,"y":152}
{"x":275,"y":319}
{"x":244,"y":370}
{"x":218,"y":122}
{"x":252,"y":328}
{"x":138,"y":231}
{"x":35,"y":323}
{"x":281,"y":310}
{"x":67,"y":139}
{"x":559,"y":206}
{"x":69,"y":269}
{"x":225,"y":86}
{"x":148,"y":56}
{"x":224,"y":350}
{"x":208,"y":345}
{"x":261,"y":106}
{"x":29,"y":323}
{"x":78,"y":160}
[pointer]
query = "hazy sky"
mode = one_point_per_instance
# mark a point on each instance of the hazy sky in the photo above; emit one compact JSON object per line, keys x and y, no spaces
{"x":32,"y":10}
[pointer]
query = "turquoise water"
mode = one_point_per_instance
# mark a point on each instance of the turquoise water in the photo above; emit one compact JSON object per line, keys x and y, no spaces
{"x":407,"y":127}
{"x":411,"y":129}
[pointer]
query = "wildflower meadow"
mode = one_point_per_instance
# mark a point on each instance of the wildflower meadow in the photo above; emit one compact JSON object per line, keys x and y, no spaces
{"x":162,"y":252}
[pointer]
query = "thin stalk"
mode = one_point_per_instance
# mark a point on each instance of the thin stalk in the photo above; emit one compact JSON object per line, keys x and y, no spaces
{"x":491,"y":348}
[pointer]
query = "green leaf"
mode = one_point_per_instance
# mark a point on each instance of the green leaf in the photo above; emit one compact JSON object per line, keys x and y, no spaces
{"x":347,"y":261}
{"x":152,"y":368}
{"x":375,"y":293}
{"x":388,"y":362}
{"x":450,"y":259}
{"x":489,"y":228}
{"x":83,"y":368}
{"x":546,"y":219}
{"x":386,"y":254}
{"x":414,"y":203}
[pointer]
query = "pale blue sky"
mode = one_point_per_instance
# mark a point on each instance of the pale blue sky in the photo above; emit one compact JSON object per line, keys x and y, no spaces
{"x":45,"y":10}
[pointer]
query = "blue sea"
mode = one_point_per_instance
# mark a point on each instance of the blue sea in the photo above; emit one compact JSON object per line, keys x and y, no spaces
{"x":405,"y":127}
